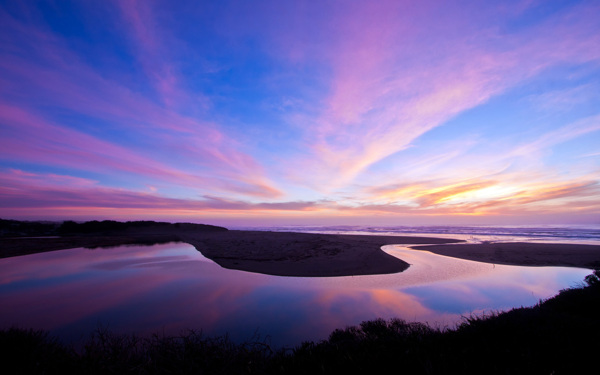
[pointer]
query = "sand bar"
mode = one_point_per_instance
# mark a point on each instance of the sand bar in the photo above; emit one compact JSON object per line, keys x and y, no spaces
{"x":304,"y":254}
{"x":523,"y":253}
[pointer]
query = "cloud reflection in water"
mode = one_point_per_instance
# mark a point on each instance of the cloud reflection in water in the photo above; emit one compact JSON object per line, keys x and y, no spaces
{"x":172,"y":287}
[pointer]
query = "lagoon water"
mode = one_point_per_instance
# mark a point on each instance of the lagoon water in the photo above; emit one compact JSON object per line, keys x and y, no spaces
{"x":170,"y":288}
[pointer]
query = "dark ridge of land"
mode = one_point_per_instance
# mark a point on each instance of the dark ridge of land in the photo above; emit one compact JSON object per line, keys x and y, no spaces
{"x":16,"y":246}
{"x":23,"y":237}
{"x":557,"y":336}
{"x":16,"y":228}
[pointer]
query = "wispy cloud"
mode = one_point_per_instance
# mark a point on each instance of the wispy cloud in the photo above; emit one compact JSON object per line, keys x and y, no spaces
{"x":154,"y":53}
{"x":20,"y":189}
{"x":390,"y":87}
{"x":40,"y":67}
{"x":390,"y":108}
{"x":568,"y":132}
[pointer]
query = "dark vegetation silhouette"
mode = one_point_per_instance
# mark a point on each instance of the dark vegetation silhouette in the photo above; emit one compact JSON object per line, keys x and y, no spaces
{"x":110,"y":227}
{"x":16,"y":228}
{"x":28,"y":237}
{"x":557,"y":336}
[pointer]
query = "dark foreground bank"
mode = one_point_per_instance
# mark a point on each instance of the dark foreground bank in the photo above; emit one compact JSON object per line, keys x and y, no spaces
{"x":557,"y":336}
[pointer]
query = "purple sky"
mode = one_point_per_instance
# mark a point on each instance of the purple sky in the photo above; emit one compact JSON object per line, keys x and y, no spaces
{"x":291,"y":112}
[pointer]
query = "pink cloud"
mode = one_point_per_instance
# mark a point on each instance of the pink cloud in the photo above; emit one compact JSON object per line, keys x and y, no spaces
{"x":59,"y":79}
{"x":154,"y":57}
{"x":399,"y":72}
{"x":31,"y":138}
{"x":19,"y":190}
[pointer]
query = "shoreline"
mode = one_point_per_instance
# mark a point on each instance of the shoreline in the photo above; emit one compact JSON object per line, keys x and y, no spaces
{"x":318,"y":255}
{"x":531,"y":254}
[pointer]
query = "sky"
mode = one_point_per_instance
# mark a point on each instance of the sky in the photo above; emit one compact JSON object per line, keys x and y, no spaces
{"x":256,"y":113}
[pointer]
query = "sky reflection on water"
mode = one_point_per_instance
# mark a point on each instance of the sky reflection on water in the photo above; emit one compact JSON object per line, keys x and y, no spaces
{"x":171,"y":287}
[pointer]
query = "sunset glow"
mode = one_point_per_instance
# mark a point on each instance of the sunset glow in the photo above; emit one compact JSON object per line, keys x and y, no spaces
{"x":301,"y":112}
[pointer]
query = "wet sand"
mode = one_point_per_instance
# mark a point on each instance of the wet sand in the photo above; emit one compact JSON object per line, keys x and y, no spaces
{"x":307,"y":254}
{"x":523,"y":253}
{"x":304,"y":254}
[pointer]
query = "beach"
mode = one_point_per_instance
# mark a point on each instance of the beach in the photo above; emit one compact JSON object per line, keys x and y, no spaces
{"x":523,"y":254}
{"x":316,"y":255}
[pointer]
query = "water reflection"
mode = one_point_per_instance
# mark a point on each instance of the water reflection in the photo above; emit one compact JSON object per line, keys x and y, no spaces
{"x":172,"y":287}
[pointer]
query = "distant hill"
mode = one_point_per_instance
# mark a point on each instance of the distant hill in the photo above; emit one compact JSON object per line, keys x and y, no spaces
{"x":16,"y":228}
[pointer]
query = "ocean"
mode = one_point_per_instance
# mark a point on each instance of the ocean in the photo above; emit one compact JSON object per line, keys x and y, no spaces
{"x":581,"y":234}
